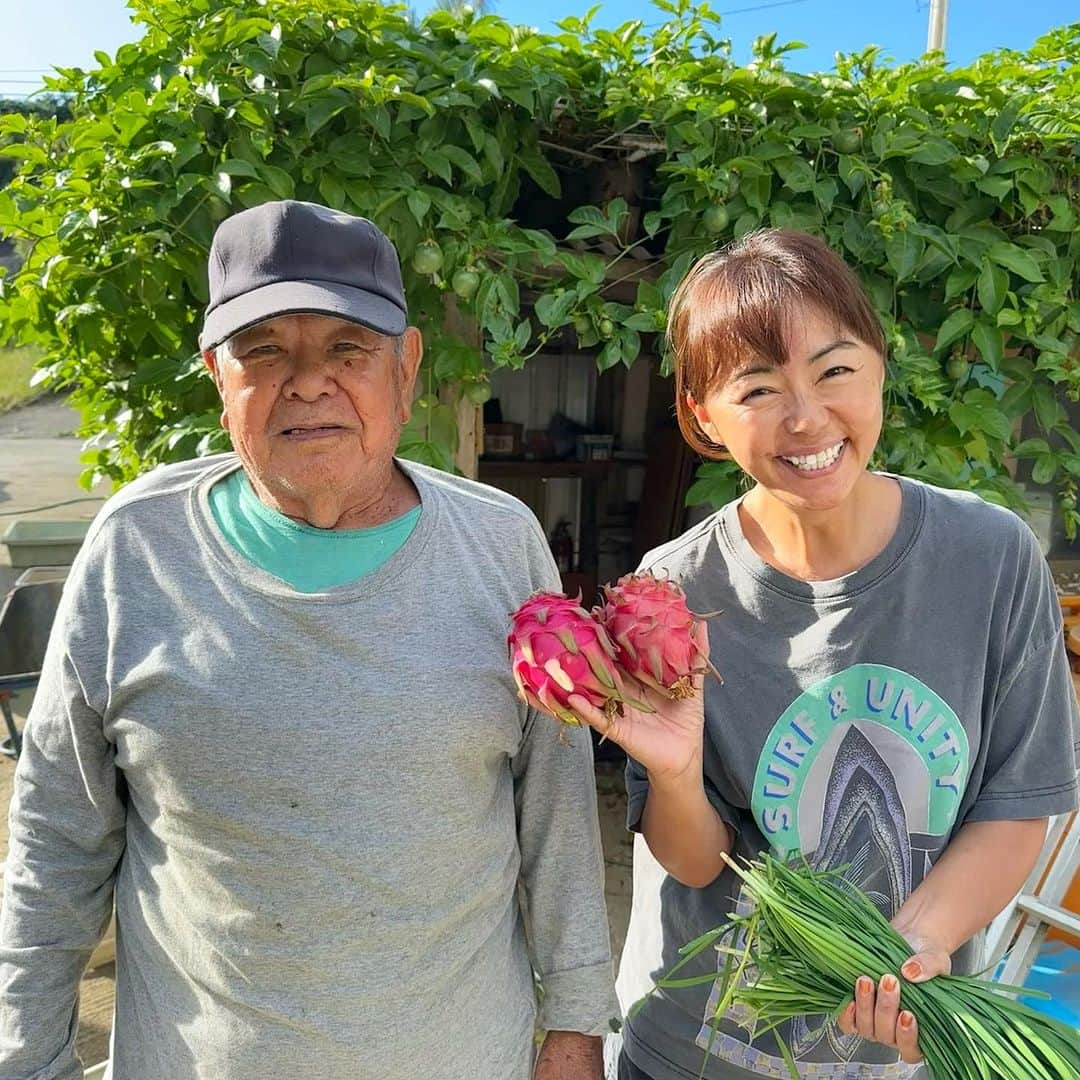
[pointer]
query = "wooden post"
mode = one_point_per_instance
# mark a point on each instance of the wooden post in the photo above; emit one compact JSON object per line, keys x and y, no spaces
{"x":469,"y":417}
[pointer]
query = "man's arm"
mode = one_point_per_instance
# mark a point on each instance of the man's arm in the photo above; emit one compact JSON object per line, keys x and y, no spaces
{"x":562,"y":873}
{"x":568,"y":1055}
{"x":66,"y":837}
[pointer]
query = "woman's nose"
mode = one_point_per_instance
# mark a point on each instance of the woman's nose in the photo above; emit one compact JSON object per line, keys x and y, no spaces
{"x":806,"y":414}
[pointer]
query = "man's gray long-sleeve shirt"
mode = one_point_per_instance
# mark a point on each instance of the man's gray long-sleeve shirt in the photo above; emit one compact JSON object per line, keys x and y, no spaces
{"x":315,"y":809}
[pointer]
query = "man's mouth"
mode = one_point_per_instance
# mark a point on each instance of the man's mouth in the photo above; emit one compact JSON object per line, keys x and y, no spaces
{"x":312,"y":431}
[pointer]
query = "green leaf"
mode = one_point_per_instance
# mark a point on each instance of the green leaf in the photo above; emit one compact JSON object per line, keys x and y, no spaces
{"x":935,"y":152}
{"x":277,"y":180}
{"x":464,"y":161}
{"x":536,"y":165}
{"x":1048,"y":410}
{"x":997,"y":186}
{"x":319,"y":111}
{"x":419,"y":204}
{"x":992,"y":287}
{"x":236,"y":167}
{"x":552,"y":310}
{"x":954,"y":327}
{"x":1031,"y":448}
{"x":586,"y":232}
{"x":797,"y":173}
{"x":987,"y":339}
{"x":1015,"y":259}
{"x":903,"y":251}
{"x":1044,"y":469}
{"x":959,"y":281}
{"x":982,"y":416}
{"x":437,"y":162}
{"x":1003,"y":124}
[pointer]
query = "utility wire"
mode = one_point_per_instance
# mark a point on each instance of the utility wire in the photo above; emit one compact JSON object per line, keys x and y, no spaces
{"x":51,"y":506}
{"x":762,"y":7}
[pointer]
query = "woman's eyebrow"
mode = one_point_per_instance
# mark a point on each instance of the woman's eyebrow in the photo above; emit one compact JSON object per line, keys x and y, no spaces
{"x":754,"y":369}
{"x":839,"y":343}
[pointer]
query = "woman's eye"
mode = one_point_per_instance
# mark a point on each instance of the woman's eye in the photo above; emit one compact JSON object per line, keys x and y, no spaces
{"x":758,"y":391}
{"x":840,"y":369}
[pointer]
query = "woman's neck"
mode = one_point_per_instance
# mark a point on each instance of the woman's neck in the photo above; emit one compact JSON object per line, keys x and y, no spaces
{"x":824,"y":544}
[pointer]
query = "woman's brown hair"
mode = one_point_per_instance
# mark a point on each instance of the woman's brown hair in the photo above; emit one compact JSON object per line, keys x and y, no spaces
{"x":735,"y":304}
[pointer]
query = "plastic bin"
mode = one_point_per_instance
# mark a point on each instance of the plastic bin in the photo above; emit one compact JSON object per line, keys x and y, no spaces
{"x":44,"y":543}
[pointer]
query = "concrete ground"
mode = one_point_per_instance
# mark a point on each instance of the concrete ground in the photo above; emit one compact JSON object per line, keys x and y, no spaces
{"x":39,"y":467}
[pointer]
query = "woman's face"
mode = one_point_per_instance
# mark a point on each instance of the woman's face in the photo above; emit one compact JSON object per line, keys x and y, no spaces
{"x":804,"y":430}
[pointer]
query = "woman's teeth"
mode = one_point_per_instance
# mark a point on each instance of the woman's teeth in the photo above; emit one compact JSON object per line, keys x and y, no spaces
{"x":814,"y":462}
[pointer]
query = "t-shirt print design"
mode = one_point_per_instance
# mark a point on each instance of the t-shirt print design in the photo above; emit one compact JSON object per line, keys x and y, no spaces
{"x":865,"y":770}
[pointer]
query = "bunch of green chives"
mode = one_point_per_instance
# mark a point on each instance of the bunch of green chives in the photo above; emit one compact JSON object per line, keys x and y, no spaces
{"x":808,"y":938}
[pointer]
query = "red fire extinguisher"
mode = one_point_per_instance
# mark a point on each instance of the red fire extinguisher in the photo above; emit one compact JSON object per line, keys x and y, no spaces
{"x":562,"y":547}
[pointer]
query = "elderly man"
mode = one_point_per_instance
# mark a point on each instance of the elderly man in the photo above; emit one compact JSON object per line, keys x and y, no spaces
{"x":277,"y":722}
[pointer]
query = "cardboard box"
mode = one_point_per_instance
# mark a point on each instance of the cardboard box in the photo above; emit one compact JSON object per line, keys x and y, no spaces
{"x":502,"y":440}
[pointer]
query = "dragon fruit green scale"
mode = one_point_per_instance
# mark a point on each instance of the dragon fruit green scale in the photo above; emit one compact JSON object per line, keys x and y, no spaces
{"x":556,"y":650}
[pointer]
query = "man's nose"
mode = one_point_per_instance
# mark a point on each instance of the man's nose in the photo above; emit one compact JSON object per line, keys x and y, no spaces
{"x":309,"y":380}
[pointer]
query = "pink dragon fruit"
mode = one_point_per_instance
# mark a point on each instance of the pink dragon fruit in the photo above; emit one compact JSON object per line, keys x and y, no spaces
{"x":653,"y":631}
{"x":557,"y":649}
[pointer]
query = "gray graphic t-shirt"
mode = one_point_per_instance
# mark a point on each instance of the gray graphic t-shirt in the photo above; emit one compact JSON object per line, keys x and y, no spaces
{"x":861,"y":723}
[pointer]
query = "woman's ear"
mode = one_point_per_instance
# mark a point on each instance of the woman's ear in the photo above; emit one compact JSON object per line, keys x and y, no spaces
{"x":701,"y":415}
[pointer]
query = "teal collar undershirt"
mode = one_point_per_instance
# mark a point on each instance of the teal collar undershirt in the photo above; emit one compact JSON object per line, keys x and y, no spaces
{"x":308,"y":559}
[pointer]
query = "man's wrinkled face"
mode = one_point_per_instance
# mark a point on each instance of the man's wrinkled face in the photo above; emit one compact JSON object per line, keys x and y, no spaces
{"x":312,"y":401}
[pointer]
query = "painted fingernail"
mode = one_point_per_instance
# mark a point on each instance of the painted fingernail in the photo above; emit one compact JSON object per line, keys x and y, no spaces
{"x":865,"y":986}
{"x":906,"y":1020}
{"x":889,"y":984}
{"x":912,"y":970}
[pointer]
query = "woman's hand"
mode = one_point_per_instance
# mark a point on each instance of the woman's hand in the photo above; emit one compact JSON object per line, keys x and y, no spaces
{"x":668,"y":741}
{"x":875,"y":1013}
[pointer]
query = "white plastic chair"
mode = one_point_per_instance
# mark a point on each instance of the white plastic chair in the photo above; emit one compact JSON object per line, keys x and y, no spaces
{"x":1038,"y":906}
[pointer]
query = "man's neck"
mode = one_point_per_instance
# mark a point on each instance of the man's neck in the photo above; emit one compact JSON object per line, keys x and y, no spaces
{"x":382,"y":498}
{"x":820,"y":546}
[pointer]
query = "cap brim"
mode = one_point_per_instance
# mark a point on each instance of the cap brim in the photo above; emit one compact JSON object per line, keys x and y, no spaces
{"x":302,"y":298}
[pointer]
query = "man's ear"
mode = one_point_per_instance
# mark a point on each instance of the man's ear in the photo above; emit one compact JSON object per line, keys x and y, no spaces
{"x":412,"y":352}
{"x":209,"y":358}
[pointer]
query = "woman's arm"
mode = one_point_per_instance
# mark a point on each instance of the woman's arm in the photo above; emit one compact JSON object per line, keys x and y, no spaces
{"x":978,"y":874}
{"x":685,"y":834}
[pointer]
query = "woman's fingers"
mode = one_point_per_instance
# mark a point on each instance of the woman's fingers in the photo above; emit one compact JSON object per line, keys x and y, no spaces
{"x":864,"y":1007}
{"x":846,"y":1020}
{"x":875,"y":1015}
{"x":593,"y":716}
{"x":907,"y":1038}
{"x":886,"y":1009}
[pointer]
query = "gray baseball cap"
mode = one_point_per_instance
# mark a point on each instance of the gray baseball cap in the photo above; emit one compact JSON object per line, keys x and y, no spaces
{"x":290,"y":258}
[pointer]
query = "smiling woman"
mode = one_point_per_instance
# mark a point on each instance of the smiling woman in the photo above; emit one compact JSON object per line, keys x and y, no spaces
{"x":780,"y":361}
{"x":884,"y":714}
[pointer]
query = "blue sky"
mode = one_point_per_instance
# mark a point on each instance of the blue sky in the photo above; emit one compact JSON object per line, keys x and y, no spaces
{"x":40,"y":33}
